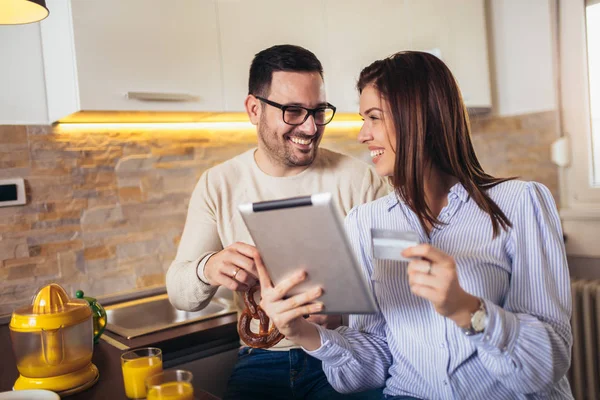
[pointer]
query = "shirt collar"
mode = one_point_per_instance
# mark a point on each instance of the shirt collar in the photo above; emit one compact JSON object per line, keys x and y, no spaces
{"x":459,"y":191}
{"x":456,"y":191}
{"x":391,"y":200}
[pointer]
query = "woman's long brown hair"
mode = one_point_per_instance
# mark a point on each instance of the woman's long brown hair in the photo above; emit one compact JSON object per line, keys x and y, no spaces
{"x":431,"y":126}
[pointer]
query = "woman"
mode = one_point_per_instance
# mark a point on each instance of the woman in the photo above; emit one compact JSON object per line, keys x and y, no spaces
{"x":482,"y":311}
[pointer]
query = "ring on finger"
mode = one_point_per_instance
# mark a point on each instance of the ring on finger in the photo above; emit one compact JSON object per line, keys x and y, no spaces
{"x":429,"y":269}
{"x":236,"y":272}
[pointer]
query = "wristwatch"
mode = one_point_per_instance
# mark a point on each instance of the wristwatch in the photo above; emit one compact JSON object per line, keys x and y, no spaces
{"x":479,"y":321}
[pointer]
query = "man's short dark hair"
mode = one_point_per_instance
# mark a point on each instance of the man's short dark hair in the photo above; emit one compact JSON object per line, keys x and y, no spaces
{"x":285,"y":57}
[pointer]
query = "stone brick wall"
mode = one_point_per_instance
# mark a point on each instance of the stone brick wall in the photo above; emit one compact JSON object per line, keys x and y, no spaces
{"x":518,"y":146}
{"x":105,"y":210}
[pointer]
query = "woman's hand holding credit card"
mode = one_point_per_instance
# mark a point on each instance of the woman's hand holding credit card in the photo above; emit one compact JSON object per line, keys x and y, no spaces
{"x":389,"y":245}
{"x":431,"y":273}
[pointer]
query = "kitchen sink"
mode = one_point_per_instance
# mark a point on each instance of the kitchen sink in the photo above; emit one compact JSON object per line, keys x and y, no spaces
{"x":152,"y":314}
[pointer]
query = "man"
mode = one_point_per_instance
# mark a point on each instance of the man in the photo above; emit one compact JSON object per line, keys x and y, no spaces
{"x":287,"y":103}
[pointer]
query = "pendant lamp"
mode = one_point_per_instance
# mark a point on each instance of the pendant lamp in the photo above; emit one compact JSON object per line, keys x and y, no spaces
{"x":17,"y":12}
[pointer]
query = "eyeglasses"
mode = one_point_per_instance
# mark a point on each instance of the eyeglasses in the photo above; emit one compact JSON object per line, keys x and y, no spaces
{"x":297,"y":115}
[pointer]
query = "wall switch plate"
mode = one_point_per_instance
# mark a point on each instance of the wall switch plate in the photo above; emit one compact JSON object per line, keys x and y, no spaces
{"x":12,"y":192}
{"x":561,"y":152}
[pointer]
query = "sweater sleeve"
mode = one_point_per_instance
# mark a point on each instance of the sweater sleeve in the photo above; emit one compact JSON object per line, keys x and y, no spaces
{"x":199,"y":241}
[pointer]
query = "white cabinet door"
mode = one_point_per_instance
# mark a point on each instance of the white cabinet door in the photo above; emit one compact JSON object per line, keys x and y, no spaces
{"x":247,"y":27}
{"x":360,"y":33}
{"x":163,"y":49}
{"x":457,"y":31}
{"x":22,"y":91}
{"x":463,"y":46}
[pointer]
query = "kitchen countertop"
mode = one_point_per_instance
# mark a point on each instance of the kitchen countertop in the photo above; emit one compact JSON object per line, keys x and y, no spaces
{"x":107,"y":354}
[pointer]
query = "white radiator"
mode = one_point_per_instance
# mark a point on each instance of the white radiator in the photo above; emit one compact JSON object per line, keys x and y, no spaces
{"x":584,"y":374}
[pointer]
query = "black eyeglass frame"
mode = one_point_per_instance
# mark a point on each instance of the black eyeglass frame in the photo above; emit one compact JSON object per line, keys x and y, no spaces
{"x":309,"y":111}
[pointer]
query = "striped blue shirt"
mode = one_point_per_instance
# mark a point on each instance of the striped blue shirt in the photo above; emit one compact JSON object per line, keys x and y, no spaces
{"x":521,"y":275}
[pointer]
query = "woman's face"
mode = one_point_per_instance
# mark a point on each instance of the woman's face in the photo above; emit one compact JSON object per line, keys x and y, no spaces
{"x":377,"y":131}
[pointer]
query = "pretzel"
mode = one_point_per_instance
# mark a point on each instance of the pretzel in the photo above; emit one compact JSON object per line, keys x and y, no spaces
{"x":266,"y":337}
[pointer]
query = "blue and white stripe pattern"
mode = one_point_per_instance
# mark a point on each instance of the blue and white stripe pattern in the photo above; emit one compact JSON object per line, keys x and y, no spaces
{"x":522,"y":275}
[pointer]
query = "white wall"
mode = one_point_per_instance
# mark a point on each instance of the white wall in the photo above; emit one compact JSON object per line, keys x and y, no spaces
{"x":22,"y":87}
{"x":521,"y":45}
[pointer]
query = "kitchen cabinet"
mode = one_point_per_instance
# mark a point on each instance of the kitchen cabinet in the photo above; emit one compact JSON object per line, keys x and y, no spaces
{"x":247,"y":27}
{"x":134,"y":55}
{"x":359,"y":33}
{"x":22,"y":91}
{"x":155,"y":46}
{"x":111,"y":55}
{"x":463,"y":47}
{"x":194,"y":55}
{"x":347,"y":35}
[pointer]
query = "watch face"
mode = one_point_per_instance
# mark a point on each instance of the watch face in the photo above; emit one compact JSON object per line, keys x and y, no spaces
{"x":478,"y":321}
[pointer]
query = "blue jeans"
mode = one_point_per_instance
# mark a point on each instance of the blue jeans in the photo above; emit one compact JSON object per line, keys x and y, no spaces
{"x":266,"y":374}
{"x":388,"y":397}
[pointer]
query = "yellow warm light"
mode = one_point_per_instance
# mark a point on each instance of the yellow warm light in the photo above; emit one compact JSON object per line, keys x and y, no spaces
{"x":345,"y":124}
{"x":128,"y":126}
{"x":185,"y":126}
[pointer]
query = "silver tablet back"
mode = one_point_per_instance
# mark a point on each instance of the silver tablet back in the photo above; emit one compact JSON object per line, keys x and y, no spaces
{"x":306,"y":233}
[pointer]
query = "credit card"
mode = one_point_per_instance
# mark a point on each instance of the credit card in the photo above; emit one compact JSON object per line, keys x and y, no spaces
{"x":388,"y":244}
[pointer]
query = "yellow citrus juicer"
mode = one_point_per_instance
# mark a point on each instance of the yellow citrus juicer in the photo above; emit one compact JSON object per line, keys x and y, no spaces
{"x":53,"y":343}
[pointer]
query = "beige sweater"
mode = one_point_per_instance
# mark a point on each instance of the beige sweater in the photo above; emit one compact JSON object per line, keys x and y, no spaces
{"x":213,"y":221}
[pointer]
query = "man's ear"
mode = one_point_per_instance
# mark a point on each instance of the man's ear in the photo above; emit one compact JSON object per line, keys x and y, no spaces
{"x":253,"y":109}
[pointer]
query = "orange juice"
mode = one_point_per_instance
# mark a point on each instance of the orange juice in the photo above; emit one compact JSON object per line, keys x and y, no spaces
{"x":36,"y":365}
{"x":135,"y":373}
{"x":172,"y":391}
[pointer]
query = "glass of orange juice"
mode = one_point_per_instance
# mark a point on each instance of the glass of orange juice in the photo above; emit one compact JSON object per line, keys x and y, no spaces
{"x":137,"y":365}
{"x":170,"y":385}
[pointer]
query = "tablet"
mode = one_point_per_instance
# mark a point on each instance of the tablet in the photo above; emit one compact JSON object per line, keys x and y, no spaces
{"x":306,"y":233}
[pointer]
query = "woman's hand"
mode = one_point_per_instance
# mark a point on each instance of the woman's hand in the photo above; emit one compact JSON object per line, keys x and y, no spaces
{"x":434,"y":278}
{"x":288,"y":314}
{"x":326,"y":321}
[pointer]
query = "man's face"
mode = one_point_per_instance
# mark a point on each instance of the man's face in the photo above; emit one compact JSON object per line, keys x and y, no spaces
{"x":287,"y":145}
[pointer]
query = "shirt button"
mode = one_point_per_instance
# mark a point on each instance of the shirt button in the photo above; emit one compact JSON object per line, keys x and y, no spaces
{"x":442,"y":345}
{"x":445,"y":382}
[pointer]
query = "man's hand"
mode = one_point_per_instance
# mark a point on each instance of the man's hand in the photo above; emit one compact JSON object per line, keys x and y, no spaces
{"x":233,"y":267}
{"x":326,"y":321}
